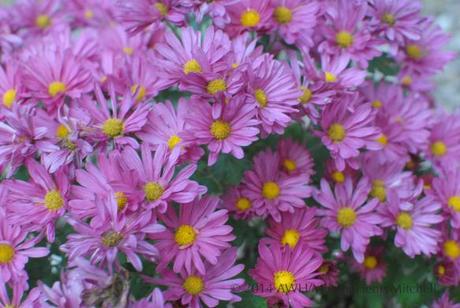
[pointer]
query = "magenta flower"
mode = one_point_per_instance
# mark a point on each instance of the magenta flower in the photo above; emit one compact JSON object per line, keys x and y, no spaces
{"x":283,"y":276}
{"x":446,"y":272}
{"x":272,"y":192}
{"x":295,"y":158}
{"x":155,"y":299}
{"x":329,"y":273}
{"x":346,"y":210}
{"x":18,"y":299}
{"x":373,"y":268}
{"x":237,"y":204}
{"x":336,"y":75}
{"x":247,"y":15}
{"x":198,"y":233}
{"x":446,"y":191}
{"x":445,"y":302}
{"x":11,"y":87}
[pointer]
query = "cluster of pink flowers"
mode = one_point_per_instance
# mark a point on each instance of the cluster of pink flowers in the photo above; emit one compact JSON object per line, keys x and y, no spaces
{"x":111,"y":106}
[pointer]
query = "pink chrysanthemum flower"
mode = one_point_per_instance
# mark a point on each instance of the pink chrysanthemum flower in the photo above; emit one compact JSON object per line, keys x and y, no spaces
{"x":329,"y":273}
{"x":216,"y":283}
{"x":373,"y":268}
{"x":295,"y":19}
{"x":347,"y":210}
{"x":337,"y":75}
{"x":295,"y":158}
{"x":237,"y":204}
{"x":198,"y":233}
{"x":117,"y":41}
{"x":37,"y":204}
{"x":93,"y":13}
{"x":298,"y":228}
{"x":445,"y":302}
{"x":283,"y":275}
{"x":155,"y":299}
{"x":446,"y":190}
{"x":446,"y":272}
{"x":156,"y":183}
{"x":11,"y":86}
{"x":449,"y":248}
{"x":225,"y":128}
{"x":413,"y":220}
{"x":66,"y":292}
{"x":247,"y":15}
{"x":17,"y":297}
{"x":272,"y":192}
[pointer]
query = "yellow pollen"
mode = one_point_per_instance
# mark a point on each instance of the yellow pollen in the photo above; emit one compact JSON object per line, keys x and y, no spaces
{"x":10,"y":306}
{"x":283,"y":15}
{"x":438,"y":148}
{"x":284,"y":281}
{"x":43,"y":21}
{"x":346,"y":217}
{"x":441,"y":270}
{"x":370,"y":262}
{"x":454,"y":203}
{"x":324,"y":268}
{"x":377,"y":104}
{"x":56,"y":87}
{"x":271,"y":190}
{"x":330,"y":77}
{"x":338,"y":176}
{"x":235,"y":65}
{"x":306,"y":95}
{"x":185,"y":235}
{"x":6,"y":253}
{"x":173,"y":141}
{"x":113,"y":127}
{"x":261,"y":97}
{"x":336,"y":132}
{"x":220,"y":129}
{"x":406,"y":81}
{"x":162,"y":8}
{"x":112,"y":238}
{"x":9,"y":97}
{"x":140,"y":92}
{"x":344,"y":39}
{"x":62,"y":131}
{"x":191,"y":66}
{"x":193,"y":285}
{"x":290,"y":237}
{"x":404,"y":220}
{"x":243,"y":204}
{"x":128,"y":50}
{"x":215,"y":86}
{"x":378,"y":190}
{"x":414,"y":51}
{"x":383,"y":139}
{"x":122,"y":200}
{"x":153,"y":191}
{"x":250,"y":18}
{"x":289,"y":165}
{"x":53,"y":200}
{"x":389,"y":19}
{"x":88,"y":14}
{"x":452,"y":249}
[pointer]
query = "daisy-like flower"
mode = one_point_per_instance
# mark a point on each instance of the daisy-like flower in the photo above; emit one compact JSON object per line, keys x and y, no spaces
{"x":295,"y":158}
{"x":156,"y":182}
{"x":272,"y":192}
{"x":329,"y":273}
{"x":298,"y":228}
{"x":346,"y":210}
{"x":225,"y":128}
{"x":445,"y":302}
{"x":346,"y":132}
{"x":18,"y":299}
{"x":295,"y":18}
{"x":37,"y":204}
{"x":11,"y":86}
{"x":248,"y":15}
{"x":446,"y":272}
{"x":194,"y":288}
{"x":272,"y":90}
{"x":198,"y":233}
{"x":414,"y":222}
{"x":336,"y":75}
{"x":373,"y":269}
{"x":446,"y":190}
{"x":285,"y":274}
{"x":450,"y":246}
{"x":237,"y":204}
{"x":155,"y":299}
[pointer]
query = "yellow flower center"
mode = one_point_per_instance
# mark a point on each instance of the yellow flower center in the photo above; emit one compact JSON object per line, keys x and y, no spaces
{"x":414,"y":51}
{"x":377,"y":104}
{"x":162,"y":8}
{"x":173,"y":141}
{"x":215,"y":86}
{"x":389,"y":19}
{"x":344,"y":39}
{"x":113,"y":127}
{"x":140,"y":92}
{"x":261,"y":97}
{"x":439,"y":148}
{"x":6,"y":253}
{"x":452,"y":249}
{"x":289,"y":165}
{"x":88,"y":14}
{"x":112,"y":238}
{"x":336,"y":132}
{"x":220,"y":129}
{"x":382,"y":139}
{"x":404,"y":220}
{"x":330,"y":77}
{"x":43,"y":21}
{"x":9,"y":97}
{"x":153,"y":191}
{"x":306,"y":95}
{"x":250,"y":18}
{"x":62,"y":131}
{"x":53,"y":200}
{"x":56,"y":87}
{"x":454,"y":203}
{"x":290,"y":237}
{"x":324,"y":268}
{"x":283,"y":15}
{"x":185,"y":235}
{"x":406,"y":81}
{"x":378,"y":190}
{"x":128,"y":50}
{"x":122,"y":200}
{"x":193,"y":285}
{"x":191,"y":66}
{"x":338,"y":176}
{"x":346,"y":217}
{"x":243,"y":204}
{"x":284,"y":281}
{"x":441,"y":270}
{"x":370,"y":262}
{"x":271,"y":190}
